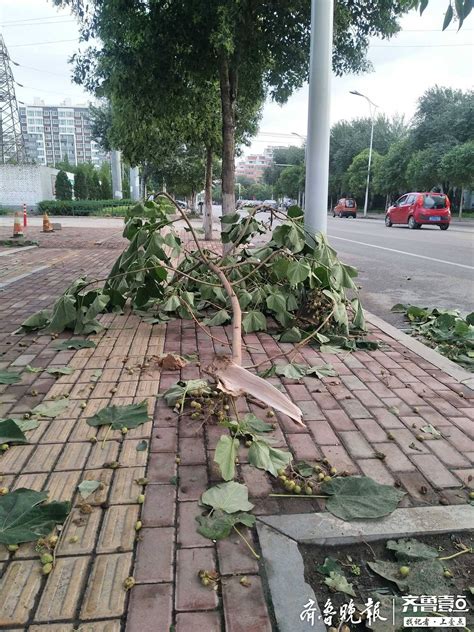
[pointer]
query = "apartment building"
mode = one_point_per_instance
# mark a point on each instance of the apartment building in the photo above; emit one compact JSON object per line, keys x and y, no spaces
{"x":254,"y":165}
{"x":52,"y":132}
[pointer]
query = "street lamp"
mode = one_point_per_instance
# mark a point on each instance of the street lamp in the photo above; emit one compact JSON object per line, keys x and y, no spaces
{"x":372,"y":108}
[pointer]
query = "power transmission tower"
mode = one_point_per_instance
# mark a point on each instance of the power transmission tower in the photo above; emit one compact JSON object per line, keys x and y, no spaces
{"x":12,"y":144}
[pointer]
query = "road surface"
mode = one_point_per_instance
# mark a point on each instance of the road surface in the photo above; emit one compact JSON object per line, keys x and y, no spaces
{"x":426,"y":267}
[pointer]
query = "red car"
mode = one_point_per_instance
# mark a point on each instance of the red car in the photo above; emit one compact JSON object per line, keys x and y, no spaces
{"x":416,"y":209}
{"x":346,"y":207}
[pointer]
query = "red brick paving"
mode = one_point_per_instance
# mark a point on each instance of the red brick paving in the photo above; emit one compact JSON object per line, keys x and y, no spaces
{"x":365,"y":421}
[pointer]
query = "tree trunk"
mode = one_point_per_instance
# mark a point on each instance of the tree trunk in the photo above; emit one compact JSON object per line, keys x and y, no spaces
{"x":460,"y":202}
{"x":228,"y":89}
{"x":208,"y":196}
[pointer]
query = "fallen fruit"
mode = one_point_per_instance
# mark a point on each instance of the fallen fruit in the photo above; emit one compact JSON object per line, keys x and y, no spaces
{"x":53,"y":540}
{"x":124,"y":430}
{"x":13,"y":547}
{"x":138,"y":525}
{"x":141,"y":499}
{"x":47,"y":568}
{"x":46,"y":558}
{"x":404,"y":571}
{"x":4,"y":447}
{"x":471,"y":495}
{"x":128,"y":583}
{"x":448,"y":574}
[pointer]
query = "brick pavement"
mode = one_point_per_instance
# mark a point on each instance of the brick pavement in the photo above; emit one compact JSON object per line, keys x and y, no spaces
{"x":376,"y":405}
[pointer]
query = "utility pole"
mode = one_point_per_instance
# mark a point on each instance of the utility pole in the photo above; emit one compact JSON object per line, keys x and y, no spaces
{"x":134,"y":184}
{"x":115,"y":159}
{"x":12,"y":143}
{"x":372,"y":110}
{"x":317,"y":150}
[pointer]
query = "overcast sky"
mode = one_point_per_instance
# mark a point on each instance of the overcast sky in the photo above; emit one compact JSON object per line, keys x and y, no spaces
{"x":404,"y":67}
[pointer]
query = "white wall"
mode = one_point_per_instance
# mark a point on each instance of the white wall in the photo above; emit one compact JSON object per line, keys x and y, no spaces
{"x":26,"y":184}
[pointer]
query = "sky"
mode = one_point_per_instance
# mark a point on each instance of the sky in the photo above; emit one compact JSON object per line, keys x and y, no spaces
{"x":420,"y":56}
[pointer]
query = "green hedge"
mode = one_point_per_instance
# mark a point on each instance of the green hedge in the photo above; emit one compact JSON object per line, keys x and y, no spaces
{"x":82,"y":207}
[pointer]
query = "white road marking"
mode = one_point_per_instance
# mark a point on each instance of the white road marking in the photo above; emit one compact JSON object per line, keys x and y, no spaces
{"x":402,"y":252}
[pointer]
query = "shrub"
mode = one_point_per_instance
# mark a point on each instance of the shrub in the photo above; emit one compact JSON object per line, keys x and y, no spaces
{"x":63,"y":186}
{"x":82,"y":207}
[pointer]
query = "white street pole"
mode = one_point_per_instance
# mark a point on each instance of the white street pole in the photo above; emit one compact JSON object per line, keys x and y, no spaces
{"x":134,"y":184}
{"x":372,"y":110}
{"x":317,"y":149}
{"x":366,"y":203}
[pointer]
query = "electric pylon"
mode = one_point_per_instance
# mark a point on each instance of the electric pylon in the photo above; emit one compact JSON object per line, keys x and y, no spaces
{"x":12,"y":144}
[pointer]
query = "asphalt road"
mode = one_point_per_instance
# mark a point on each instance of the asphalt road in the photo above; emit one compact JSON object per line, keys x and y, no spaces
{"x":426,"y":267}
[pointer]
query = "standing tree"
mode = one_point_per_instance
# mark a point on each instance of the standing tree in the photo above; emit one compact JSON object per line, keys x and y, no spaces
{"x":457,"y":166}
{"x":357,"y":172}
{"x":63,"y":187}
{"x":105,"y":178}
{"x":248,"y":48}
{"x":81,"y":191}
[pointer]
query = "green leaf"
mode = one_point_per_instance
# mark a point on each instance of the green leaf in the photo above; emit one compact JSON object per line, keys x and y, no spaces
{"x":220,"y":318}
{"x":254,"y":321}
{"x":291,"y":335}
{"x":95,"y":375}
{"x":325,"y":370}
{"x":86,"y":488}
{"x":297,"y":272}
{"x":304,"y":469}
{"x":423,"y":5}
{"x":425,"y":576}
{"x":142,"y":445}
{"x":291,"y":371}
{"x":24,"y":517}
{"x":64,"y":314}
{"x":37,"y":321}
{"x":119,"y":417}
{"x":171,"y":304}
{"x":359,"y":320}
{"x":255,"y":424}
{"x":9,"y":377}
{"x":219,"y":525}
{"x":60,"y":370}
{"x":409,"y":549}
{"x":31,"y":369}
{"x":337,"y":582}
{"x":448,"y":17}
{"x":26,"y":424}
{"x":245,"y":298}
{"x":289,"y":236}
{"x":51,"y":409}
{"x":229,"y":497}
{"x":179,"y":390}
{"x":360,"y":497}
{"x":74,"y":343}
{"x":263,"y":456}
{"x":330,"y":566}
{"x":10,"y":432}
{"x":225,"y":455}
{"x":276,"y":302}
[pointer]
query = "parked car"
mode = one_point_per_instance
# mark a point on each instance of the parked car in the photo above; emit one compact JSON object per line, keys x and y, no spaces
{"x":416,"y":209}
{"x":346,"y":207}
{"x":271,"y":203}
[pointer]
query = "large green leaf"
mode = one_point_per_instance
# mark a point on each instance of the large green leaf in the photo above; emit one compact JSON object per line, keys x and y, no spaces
{"x":51,"y":409}
{"x":220,"y":318}
{"x":324,"y":370}
{"x":9,"y":377}
{"x":292,"y":371}
{"x":229,"y":497}
{"x":263,"y":456}
{"x":276,"y":302}
{"x":225,"y":455}
{"x":298,"y":271}
{"x":37,"y":321}
{"x":291,"y":335}
{"x":60,"y":370}
{"x":27,"y":424}
{"x":74,"y":343}
{"x":360,"y":497}
{"x":178,"y":391}
{"x":426,"y":577}
{"x":338,"y":582}
{"x":410,"y":549}
{"x":10,"y":432}
{"x":64,"y":314}
{"x":253,"y":423}
{"x":24,"y":517}
{"x":119,"y":417}
{"x":218,"y":525}
{"x":254,"y":321}
{"x":330,"y":566}
{"x":86,"y":488}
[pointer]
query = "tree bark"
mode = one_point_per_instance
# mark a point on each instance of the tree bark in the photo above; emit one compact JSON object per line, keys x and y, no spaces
{"x":228,"y":89}
{"x":208,"y":196}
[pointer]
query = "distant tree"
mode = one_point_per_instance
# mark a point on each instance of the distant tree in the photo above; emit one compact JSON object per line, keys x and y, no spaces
{"x":282,"y":157}
{"x":259,"y":191}
{"x":101,"y":123}
{"x":244,"y":181}
{"x":457,"y":166}
{"x":81,"y":191}
{"x":105,"y":178}
{"x":94,"y":186}
{"x":357,"y":172}
{"x":63,"y":186}
{"x":65,"y":165}
{"x":390,"y":177}
{"x":423,"y":170}
{"x":291,"y":181}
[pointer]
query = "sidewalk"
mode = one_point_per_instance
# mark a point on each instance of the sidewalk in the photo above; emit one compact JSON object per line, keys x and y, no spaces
{"x":376,"y":405}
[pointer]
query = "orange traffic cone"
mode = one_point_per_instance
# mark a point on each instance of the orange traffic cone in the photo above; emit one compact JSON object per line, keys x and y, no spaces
{"x":17,"y":230}
{"x":25,"y":217}
{"x":47,"y":227}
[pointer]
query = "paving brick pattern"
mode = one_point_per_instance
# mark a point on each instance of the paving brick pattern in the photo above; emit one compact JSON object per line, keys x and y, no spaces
{"x":368,"y":420}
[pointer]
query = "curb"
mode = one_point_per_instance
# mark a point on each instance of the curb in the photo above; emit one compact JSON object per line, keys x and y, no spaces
{"x":430,"y":355}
